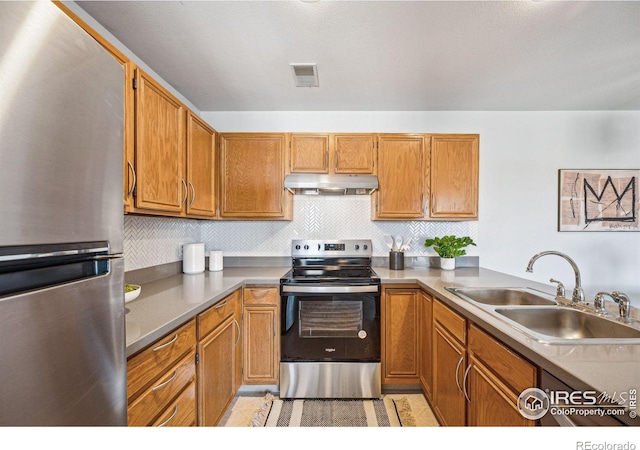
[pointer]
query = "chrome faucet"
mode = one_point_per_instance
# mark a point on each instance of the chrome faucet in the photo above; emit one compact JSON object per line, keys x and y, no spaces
{"x":578,"y":293}
{"x":624,"y":305}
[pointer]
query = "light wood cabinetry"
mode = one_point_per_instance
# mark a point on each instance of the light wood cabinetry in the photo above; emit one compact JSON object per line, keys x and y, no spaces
{"x":252,"y":170}
{"x":261,"y":332}
{"x":160,"y":379}
{"x":449,"y":361}
{"x":218,"y":340}
{"x":400,"y":324}
{"x":309,"y":152}
{"x":201,"y":194}
{"x":454,"y":168}
{"x":159,"y":159}
{"x":353,"y":153}
{"x":425,"y":344}
{"x":401,"y":161}
{"x":476,"y":378}
{"x":496,"y":377}
{"x":342,"y":153}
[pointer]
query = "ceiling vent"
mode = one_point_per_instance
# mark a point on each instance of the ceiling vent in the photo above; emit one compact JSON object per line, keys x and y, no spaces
{"x":305,"y":75}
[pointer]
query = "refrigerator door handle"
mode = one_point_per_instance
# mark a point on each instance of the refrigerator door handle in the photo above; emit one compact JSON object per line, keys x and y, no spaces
{"x":108,"y":257}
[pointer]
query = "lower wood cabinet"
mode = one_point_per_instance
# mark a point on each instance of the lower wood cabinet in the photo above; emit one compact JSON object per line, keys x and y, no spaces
{"x":159,"y":377}
{"x":425,"y":344}
{"x":400,"y":324}
{"x":476,"y":378}
{"x":261,"y":335}
{"x":218,"y":338}
{"x":449,"y":361}
{"x":496,"y":377}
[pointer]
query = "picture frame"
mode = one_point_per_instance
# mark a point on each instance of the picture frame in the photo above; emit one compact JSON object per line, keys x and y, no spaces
{"x":599,"y":200}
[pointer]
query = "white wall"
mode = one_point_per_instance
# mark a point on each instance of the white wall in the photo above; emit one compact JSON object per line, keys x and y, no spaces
{"x":520,"y":154}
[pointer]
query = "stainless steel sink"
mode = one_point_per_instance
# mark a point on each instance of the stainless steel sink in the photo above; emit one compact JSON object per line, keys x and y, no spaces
{"x":498,"y":296}
{"x":569,"y":324}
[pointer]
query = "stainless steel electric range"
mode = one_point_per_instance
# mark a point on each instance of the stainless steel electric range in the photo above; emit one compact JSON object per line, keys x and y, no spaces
{"x":330,"y":322}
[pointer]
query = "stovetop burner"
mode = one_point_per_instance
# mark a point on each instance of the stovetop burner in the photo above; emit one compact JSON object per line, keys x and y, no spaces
{"x":331,"y":262}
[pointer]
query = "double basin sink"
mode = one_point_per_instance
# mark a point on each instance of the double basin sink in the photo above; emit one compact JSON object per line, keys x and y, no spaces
{"x":542,"y":317}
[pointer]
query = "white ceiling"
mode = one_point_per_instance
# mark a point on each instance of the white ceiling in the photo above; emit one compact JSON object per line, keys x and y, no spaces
{"x":388,"y":55}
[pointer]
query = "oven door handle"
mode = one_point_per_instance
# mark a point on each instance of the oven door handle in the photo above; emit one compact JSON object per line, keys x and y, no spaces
{"x":330,"y":289}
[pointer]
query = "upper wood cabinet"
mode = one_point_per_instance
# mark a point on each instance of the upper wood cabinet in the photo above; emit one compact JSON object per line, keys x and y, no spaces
{"x":159,"y":159}
{"x":252,"y":170}
{"x":201,"y":200}
{"x":332,"y":153}
{"x":454,"y":176}
{"x":401,"y":177}
{"x":309,"y":153}
{"x":353,"y":153}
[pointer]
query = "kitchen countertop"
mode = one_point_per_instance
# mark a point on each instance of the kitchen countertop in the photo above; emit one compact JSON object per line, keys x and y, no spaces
{"x":165,"y":304}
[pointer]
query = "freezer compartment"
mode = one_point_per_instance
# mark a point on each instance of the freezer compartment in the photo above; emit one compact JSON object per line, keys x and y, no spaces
{"x":63,"y":348}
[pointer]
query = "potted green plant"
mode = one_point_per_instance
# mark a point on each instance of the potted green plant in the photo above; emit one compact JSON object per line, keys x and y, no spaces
{"x":448,"y":248}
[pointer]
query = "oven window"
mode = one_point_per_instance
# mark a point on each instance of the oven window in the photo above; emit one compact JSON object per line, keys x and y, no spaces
{"x":322,"y":319}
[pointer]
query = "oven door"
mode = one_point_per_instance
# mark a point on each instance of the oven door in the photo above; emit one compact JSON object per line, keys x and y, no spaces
{"x":330,"y":323}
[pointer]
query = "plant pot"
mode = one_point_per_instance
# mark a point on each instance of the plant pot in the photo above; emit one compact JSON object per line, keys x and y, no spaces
{"x":447,"y":263}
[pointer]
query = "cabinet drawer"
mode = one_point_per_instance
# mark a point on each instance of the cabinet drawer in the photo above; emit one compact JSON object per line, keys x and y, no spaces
{"x":147,"y":366}
{"x":218,"y":313}
{"x":182,"y":412}
{"x":514,"y":370}
{"x":450,"y":320}
{"x":261,"y":295}
{"x":151,"y":402}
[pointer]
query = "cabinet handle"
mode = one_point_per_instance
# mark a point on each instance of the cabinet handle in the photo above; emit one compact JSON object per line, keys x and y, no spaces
{"x":275,"y":324}
{"x":133,"y":185}
{"x":172,"y":341}
{"x":220,"y":305}
{"x":464,"y":382}
{"x":161,"y":385}
{"x":186,"y":191}
{"x":457,"y":369}
{"x":237,"y":325}
{"x":193,"y":197}
{"x":175,"y":411}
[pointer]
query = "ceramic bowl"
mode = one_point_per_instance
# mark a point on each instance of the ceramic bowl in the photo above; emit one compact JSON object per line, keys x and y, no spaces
{"x":129,"y":296}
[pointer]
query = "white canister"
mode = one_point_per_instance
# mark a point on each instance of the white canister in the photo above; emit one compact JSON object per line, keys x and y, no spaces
{"x":193,"y":258}
{"x":215,"y":260}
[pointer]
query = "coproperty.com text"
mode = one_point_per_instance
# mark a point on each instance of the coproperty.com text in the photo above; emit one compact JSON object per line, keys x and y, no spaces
{"x":589,"y":445}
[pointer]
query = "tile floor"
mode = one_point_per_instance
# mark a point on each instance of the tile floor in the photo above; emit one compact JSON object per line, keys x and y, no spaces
{"x":244,"y":406}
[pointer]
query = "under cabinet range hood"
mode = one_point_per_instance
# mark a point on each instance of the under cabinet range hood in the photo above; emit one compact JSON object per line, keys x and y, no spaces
{"x":323,"y":184}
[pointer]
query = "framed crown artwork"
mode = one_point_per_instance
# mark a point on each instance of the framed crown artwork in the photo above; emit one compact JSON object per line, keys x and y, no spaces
{"x":598,"y":200}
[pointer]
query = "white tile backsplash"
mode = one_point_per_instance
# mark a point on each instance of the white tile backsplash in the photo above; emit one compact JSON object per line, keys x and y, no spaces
{"x":151,"y":241}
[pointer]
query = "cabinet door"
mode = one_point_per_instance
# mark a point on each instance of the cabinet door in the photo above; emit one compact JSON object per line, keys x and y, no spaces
{"x":400,"y":363}
{"x":401,"y":177}
{"x":309,"y":153}
{"x":159,"y":148}
{"x":201,"y":200}
{"x":449,"y":363}
{"x":252,"y":176}
{"x":454,"y":176}
{"x":216,"y":372}
{"x":425,"y":345}
{"x":261,"y":352}
{"x":491,"y":403}
{"x":353,"y":153}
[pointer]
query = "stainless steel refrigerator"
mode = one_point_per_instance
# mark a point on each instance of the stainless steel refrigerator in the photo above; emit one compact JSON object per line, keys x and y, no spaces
{"x":62,"y":332}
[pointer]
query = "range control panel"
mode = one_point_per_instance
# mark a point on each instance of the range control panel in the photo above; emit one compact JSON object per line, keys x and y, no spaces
{"x":343,"y":248}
